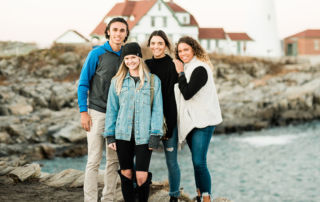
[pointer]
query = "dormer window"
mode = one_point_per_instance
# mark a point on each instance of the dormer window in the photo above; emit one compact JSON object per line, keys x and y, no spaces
{"x":185,"y":19}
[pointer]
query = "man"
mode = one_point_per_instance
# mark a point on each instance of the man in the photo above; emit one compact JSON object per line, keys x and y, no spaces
{"x":100,"y":66}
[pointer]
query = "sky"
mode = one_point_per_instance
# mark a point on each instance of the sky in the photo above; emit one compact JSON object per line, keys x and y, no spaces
{"x":42,"y":21}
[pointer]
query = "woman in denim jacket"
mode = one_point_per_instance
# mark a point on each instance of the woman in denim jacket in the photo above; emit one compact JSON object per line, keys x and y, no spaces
{"x":134,"y":121}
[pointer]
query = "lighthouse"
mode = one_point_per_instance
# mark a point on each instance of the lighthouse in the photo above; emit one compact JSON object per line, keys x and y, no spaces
{"x":261,"y":26}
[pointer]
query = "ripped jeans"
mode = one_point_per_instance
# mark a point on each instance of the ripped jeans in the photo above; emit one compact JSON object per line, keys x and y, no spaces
{"x":171,"y":152}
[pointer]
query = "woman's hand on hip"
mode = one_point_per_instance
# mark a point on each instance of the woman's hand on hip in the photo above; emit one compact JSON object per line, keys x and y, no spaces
{"x":179,"y":65}
{"x":112,"y":146}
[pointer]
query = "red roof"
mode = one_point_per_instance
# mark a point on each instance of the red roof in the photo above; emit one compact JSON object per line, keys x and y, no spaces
{"x":307,"y":33}
{"x":239,"y":36}
{"x":211,"y":33}
{"x":137,"y":9}
{"x":177,"y":8}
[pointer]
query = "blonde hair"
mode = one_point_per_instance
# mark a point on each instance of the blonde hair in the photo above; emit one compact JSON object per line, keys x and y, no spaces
{"x":123,"y":70}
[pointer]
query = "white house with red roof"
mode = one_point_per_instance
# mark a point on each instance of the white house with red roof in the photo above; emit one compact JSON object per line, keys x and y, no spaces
{"x":145,"y":16}
{"x":239,"y":43}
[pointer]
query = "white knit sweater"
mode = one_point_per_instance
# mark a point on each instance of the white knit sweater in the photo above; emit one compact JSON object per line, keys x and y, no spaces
{"x":203,"y":108}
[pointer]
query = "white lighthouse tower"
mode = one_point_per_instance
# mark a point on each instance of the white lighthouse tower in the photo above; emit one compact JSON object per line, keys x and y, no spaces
{"x":261,"y":26}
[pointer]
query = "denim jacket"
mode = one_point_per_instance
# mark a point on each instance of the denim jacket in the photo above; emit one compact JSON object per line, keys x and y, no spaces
{"x":120,"y":109}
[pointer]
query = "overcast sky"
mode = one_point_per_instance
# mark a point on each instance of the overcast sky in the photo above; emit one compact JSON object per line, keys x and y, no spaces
{"x":42,"y":21}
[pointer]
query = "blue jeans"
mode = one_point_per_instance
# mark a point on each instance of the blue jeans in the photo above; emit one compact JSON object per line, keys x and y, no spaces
{"x":171,"y":152}
{"x":198,"y":141}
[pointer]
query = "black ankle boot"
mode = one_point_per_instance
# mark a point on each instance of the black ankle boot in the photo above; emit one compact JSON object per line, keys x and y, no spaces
{"x":173,"y":199}
{"x":127,"y":188}
{"x":143,"y":190}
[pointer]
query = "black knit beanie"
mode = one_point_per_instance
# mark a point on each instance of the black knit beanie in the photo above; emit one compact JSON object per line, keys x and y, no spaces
{"x":132,"y":48}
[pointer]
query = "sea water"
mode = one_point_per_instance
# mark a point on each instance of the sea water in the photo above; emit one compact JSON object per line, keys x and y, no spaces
{"x":278,"y":164}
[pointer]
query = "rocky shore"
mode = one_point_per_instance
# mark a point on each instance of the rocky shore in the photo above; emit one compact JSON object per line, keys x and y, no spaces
{"x":26,"y":182}
{"x":39,"y":116}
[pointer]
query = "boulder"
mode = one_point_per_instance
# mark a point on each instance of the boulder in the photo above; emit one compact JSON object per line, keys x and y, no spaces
{"x":64,"y":178}
{"x":20,"y":108}
{"x":72,"y":132}
{"x":4,"y":137}
{"x":26,"y":172}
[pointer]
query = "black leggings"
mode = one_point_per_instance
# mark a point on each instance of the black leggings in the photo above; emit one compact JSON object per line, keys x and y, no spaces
{"x":126,"y":151}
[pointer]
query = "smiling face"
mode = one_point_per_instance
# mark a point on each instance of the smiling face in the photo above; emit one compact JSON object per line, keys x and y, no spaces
{"x":157,"y":46}
{"x":117,"y":33}
{"x":185,"y":52}
{"x":132,"y":62}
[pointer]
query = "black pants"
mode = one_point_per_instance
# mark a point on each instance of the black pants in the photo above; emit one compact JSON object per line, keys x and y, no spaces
{"x":126,"y":151}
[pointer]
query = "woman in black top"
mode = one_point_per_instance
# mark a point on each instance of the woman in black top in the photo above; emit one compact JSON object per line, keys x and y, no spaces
{"x":162,"y":65}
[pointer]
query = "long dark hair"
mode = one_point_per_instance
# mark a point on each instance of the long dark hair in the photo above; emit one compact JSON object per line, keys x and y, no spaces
{"x":162,"y":35}
{"x":197,"y":49}
{"x":118,"y":19}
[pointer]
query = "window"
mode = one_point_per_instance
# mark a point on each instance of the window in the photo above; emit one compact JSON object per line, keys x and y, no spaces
{"x":316,"y":45}
{"x":153,"y":21}
{"x":184,"y":19}
{"x":238,"y":47}
{"x":159,"y":6}
{"x":208,"y":44}
{"x":244,"y":46}
{"x":164,"y":21}
{"x":217,"y":43}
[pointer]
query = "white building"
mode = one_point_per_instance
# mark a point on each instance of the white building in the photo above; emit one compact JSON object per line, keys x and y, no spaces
{"x":239,"y":43}
{"x":71,"y":37}
{"x":145,"y":16}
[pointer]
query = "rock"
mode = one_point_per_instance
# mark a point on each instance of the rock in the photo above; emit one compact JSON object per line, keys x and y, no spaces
{"x":62,"y":96}
{"x":20,"y":109}
{"x":221,"y":199}
{"x":49,"y":150}
{"x":72,"y":133}
{"x":79,"y":181}
{"x":72,"y":178}
{"x":3,"y":64}
{"x":159,"y":196}
{"x":26,"y":172}
{"x":4,"y":137}
{"x":5,"y":170}
{"x":64,"y":178}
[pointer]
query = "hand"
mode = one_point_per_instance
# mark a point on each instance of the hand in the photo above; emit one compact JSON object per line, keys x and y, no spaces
{"x":150,"y":149}
{"x":86,"y":121}
{"x":112,"y":146}
{"x":179,"y":65}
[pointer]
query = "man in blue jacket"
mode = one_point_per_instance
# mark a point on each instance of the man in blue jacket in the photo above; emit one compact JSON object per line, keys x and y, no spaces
{"x":100,"y":66}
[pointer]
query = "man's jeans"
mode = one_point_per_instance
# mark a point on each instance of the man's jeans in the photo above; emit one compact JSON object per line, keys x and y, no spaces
{"x":198,"y":141}
{"x":171,"y":152}
{"x":95,"y":148}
